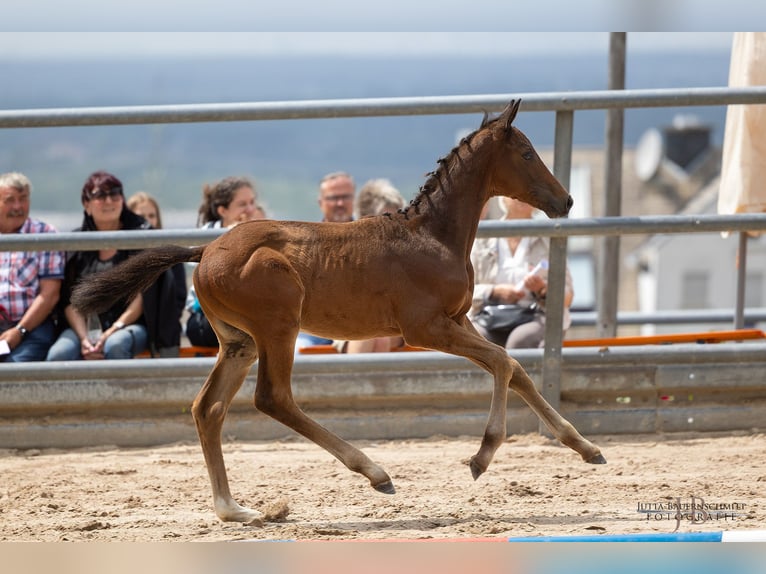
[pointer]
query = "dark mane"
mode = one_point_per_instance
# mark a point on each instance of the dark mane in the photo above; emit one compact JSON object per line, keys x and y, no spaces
{"x":434,"y":178}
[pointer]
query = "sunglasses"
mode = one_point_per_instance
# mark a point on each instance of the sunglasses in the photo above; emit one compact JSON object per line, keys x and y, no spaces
{"x":102,"y":194}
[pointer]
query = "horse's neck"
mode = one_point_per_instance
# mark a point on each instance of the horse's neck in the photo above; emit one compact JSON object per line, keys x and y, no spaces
{"x":453,"y":210}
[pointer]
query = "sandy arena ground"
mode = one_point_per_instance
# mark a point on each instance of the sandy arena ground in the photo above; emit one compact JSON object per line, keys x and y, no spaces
{"x":534,"y":487}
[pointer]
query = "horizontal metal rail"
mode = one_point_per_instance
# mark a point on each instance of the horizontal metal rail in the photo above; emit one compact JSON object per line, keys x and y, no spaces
{"x":72,"y":240}
{"x":378,"y":107}
{"x":670,"y":317}
{"x":414,"y":361}
{"x":93,"y":240}
{"x":650,"y":225}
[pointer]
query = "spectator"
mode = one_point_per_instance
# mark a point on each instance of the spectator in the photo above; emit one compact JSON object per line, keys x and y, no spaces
{"x":30,"y":281}
{"x":167,"y":295}
{"x":119,"y":332}
{"x":224,"y":204}
{"x":147,"y":207}
{"x":336,"y":202}
{"x":336,"y":197}
{"x":376,"y":197}
{"x":503,"y":269}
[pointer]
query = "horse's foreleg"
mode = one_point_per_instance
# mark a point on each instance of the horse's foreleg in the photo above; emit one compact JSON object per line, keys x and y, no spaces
{"x":463,"y":339}
{"x":562,"y":429}
{"x":495,"y":433}
{"x":444,"y":334}
{"x":496,"y":430}
{"x":274,"y":397}
{"x":209,"y":410}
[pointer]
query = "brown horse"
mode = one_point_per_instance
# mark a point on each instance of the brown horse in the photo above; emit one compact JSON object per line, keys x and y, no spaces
{"x":406,"y":273}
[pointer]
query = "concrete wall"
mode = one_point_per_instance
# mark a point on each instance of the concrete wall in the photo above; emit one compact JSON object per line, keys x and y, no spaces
{"x":415,"y":395}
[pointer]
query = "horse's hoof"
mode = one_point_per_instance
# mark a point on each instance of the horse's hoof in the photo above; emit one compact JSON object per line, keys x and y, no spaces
{"x":476,"y":470}
{"x":385,"y":487}
{"x":598,"y":459}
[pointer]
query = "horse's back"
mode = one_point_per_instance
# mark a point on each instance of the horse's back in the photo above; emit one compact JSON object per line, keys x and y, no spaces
{"x":308,"y":242}
{"x":341,"y":278}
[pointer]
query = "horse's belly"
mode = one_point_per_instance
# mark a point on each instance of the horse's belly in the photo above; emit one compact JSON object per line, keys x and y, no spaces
{"x":348,"y":323}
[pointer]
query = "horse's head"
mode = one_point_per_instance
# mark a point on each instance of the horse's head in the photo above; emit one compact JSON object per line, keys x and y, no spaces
{"x":517,"y":170}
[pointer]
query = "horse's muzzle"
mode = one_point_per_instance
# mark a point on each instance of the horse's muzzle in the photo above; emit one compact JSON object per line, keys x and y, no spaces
{"x":555,"y":212}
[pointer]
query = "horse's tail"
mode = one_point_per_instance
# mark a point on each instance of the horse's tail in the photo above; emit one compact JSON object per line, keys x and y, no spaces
{"x":99,"y":291}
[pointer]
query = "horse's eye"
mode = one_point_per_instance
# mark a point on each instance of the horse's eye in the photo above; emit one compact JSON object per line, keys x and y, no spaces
{"x":527,"y":155}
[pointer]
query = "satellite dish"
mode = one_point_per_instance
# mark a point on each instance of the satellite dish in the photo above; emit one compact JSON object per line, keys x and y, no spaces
{"x":650,"y":152}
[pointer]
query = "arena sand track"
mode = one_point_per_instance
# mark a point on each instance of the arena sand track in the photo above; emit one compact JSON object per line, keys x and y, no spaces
{"x":534,"y":487}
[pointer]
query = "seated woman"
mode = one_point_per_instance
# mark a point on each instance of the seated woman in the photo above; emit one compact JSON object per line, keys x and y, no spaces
{"x":118,"y":332}
{"x":512,"y":271}
{"x":224,"y":204}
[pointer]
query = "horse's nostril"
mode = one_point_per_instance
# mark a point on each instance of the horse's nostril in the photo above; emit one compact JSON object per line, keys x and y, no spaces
{"x":570,"y":202}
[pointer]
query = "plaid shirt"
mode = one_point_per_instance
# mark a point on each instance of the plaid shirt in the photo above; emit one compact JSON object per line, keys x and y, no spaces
{"x":21,"y":271}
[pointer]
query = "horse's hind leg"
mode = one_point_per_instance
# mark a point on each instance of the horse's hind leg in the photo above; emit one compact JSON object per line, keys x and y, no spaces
{"x":273,"y":396}
{"x":209,"y":410}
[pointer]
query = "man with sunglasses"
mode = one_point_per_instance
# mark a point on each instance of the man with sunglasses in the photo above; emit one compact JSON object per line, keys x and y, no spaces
{"x":30,"y":281}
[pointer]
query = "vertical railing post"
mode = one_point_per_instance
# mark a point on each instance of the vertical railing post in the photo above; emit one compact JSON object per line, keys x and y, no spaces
{"x":554,"y":303}
{"x":608,"y":274}
{"x":739,"y":311}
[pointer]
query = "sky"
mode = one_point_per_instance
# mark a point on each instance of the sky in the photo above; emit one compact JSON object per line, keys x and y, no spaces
{"x":388,"y":16}
{"x":63,"y":45}
{"x":114,"y":28}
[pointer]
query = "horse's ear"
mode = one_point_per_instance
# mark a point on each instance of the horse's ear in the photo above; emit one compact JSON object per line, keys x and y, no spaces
{"x":510,"y":113}
{"x":484,"y":120}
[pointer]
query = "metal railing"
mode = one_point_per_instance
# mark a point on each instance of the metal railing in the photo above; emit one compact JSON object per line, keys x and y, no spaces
{"x":592,"y":226}
{"x":672,"y":317}
{"x":378,"y":107}
{"x":563,"y":103}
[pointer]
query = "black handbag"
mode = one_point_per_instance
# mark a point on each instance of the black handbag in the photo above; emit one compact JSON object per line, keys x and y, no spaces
{"x":502,"y":319}
{"x":199,"y":331}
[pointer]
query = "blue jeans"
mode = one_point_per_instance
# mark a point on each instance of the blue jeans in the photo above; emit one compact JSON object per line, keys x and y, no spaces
{"x":123,"y":344}
{"x":34,"y":347}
